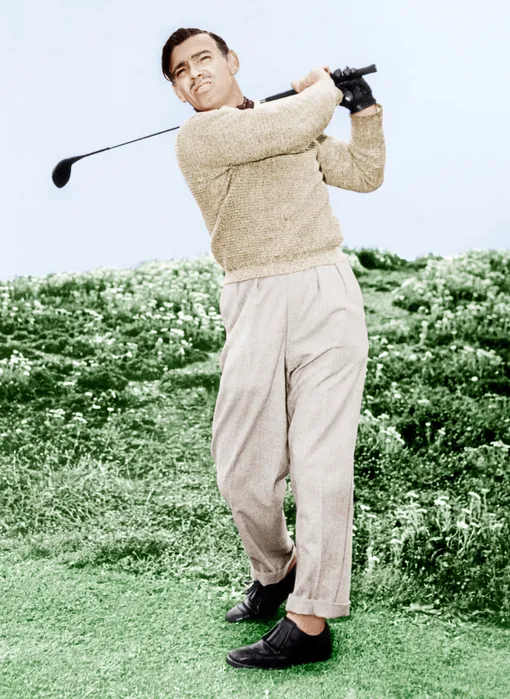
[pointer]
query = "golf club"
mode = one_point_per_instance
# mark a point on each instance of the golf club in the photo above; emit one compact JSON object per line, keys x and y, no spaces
{"x":350,"y":76}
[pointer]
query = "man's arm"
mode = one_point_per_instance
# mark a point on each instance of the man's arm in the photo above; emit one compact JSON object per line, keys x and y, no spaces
{"x":230,"y":136}
{"x":358,"y":165}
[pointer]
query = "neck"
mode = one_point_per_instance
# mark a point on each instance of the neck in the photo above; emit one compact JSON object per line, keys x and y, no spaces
{"x":236,"y":100}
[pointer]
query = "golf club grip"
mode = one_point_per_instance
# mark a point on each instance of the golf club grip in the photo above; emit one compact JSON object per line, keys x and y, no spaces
{"x":288,"y":93}
{"x":351,"y":75}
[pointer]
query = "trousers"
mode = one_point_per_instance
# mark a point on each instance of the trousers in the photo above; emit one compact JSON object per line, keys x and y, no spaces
{"x":293,"y":370}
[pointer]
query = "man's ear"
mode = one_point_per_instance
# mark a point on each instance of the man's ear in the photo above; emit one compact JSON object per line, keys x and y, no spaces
{"x":179,"y":93}
{"x":233,"y":61}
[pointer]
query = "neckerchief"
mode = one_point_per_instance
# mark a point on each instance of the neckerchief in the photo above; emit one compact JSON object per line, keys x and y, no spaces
{"x":247,"y":104}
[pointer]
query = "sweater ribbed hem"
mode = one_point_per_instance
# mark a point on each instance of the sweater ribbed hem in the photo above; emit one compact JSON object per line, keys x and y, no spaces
{"x":270,"y":269}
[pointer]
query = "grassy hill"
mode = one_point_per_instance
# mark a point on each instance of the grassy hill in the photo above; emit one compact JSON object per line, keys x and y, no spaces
{"x":108,"y":381}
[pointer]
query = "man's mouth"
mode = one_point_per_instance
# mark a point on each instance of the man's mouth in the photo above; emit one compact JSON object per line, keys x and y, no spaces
{"x":202,"y":85}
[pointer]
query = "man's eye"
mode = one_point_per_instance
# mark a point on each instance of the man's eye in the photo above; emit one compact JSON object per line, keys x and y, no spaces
{"x":202,"y":59}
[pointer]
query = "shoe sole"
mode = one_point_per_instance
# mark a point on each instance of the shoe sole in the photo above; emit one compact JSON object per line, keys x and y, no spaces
{"x":235,"y":663}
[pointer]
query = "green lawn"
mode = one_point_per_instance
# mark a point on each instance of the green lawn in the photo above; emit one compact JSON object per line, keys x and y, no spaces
{"x":118,"y":556}
{"x":68,"y":633}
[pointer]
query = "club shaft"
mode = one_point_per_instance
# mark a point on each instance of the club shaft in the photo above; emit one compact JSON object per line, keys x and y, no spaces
{"x":362,"y":71}
{"x":62,"y":171}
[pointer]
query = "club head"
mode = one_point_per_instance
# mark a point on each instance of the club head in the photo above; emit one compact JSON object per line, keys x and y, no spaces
{"x":62,"y":171}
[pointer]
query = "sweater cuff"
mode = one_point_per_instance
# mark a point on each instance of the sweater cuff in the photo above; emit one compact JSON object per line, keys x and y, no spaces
{"x":369,"y":116}
{"x":368,"y":129}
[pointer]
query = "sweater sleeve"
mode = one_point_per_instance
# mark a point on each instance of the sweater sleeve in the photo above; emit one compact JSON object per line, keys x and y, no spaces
{"x":358,"y":165}
{"x":229,"y":136}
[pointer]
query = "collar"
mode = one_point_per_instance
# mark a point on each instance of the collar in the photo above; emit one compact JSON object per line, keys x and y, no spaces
{"x":246,"y":104}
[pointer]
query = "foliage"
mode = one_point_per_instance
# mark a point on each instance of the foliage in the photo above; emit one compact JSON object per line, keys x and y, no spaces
{"x":105,"y":424}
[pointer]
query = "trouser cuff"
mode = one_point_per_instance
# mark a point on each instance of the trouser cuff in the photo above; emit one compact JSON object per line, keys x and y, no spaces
{"x":276,"y":576}
{"x":328,"y":610}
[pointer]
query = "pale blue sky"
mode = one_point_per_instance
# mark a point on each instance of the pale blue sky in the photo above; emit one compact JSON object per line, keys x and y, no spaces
{"x":78,"y":77}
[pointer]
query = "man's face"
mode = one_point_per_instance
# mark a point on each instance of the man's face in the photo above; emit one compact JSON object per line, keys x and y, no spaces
{"x":210,"y":66}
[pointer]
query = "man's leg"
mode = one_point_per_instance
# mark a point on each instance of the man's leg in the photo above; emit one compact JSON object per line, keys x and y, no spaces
{"x":327,"y":354}
{"x":249,"y":431}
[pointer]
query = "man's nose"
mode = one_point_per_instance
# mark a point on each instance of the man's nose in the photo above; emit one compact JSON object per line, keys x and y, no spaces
{"x":196,"y":72}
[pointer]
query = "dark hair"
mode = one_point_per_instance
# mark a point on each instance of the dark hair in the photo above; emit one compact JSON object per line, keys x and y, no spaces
{"x":177,"y":38}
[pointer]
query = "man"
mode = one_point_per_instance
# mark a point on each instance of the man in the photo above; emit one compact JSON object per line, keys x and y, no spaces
{"x":294,"y":362}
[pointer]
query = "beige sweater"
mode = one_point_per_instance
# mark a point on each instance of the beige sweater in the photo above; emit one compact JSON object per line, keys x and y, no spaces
{"x":259,"y":177}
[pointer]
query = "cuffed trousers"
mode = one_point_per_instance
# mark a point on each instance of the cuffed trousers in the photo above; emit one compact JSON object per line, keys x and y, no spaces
{"x":293,"y":372}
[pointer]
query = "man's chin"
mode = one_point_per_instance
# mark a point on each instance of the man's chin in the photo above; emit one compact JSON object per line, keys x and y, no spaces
{"x":206,"y":102}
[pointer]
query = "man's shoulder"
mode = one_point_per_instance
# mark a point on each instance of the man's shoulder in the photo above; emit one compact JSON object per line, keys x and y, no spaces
{"x":193,"y":138}
{"x":195,"y":120}
{"x":188,"y":127}
{"x":201,"y":122}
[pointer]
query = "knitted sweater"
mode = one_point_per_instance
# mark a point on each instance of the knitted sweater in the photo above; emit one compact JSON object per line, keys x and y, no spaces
{"x":259,"y":177}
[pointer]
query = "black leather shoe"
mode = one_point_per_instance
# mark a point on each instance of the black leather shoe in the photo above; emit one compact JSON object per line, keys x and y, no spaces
{"x":284,"y":646}
{"x":263,"y":601}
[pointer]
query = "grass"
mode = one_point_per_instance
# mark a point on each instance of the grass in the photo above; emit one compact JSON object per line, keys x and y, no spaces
{"x":118,"y":556}
{"x":102,"y":633}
